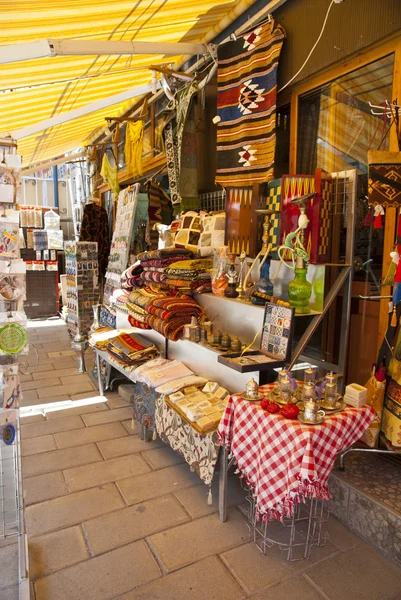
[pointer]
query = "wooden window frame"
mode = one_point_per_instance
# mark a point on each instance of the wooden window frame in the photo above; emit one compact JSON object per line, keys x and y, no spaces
{"x":390,"y":45}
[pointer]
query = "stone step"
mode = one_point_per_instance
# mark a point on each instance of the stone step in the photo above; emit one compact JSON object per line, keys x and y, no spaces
{"x":367,"y":500}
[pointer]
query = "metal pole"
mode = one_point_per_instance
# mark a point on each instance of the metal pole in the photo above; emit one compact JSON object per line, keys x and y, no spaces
{"x":55,"y":187}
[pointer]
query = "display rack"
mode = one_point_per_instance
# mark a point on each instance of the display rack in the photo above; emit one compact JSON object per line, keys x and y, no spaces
{"x":12,"y":524}
{"x":295,"y":536}
{"x":82,"y":285}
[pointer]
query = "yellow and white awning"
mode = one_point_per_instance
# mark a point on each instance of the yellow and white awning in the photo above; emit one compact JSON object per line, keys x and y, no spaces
{"x":35,"y":90}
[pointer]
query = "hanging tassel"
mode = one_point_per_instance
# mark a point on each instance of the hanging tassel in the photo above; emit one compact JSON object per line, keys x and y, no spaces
{"x":154,"y":437}
{"x":379,"y":211}
{"x":394,"y":318}
{"x":368,"y":221}
{"x":210,"y":497}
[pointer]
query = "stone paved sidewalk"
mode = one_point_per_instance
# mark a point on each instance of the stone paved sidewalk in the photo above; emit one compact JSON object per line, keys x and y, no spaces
{"x":111,"y":517}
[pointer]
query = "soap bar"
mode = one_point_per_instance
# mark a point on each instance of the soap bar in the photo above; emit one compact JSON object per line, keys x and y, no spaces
{"x":211,"y":386}
{"x":194,"y":414}
{"x":216,"y":417}
{"x":204,"y":404}
{"x":354,"y":390}
{"x":183,"y":404}
{"x":221,"y":393}
{"x":205,"y":422}
{"x":356,"y":403}
{"x":176,"y":396}
{"x":220,"y":407}
{"x":210,"y":410}
{"x":190,"y":390}
{"x":197,"y":397}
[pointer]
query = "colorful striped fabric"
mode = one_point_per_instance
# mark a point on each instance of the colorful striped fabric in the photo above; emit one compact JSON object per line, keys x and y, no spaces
{"x":247,"y":82}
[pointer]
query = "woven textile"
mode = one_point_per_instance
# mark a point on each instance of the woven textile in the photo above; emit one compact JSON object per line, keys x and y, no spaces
{"x":199,"y":451}
{"x":95,"y":228}
{"x":144,"y":405}
{"x":246,"y":103}
{"x":285,"y":461}
{"x":384,"y":184}
{"x":173,"y":134}
{"x":159,"y":210}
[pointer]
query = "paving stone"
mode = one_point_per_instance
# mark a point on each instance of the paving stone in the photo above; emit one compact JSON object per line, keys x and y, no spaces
{"x":119,"y":414}
{"x":23,"y":378}
{"x":206,"y":579}
{"x":9,"y":566}
{"x":71,"y":371}
{"x":61,"y":354}
{"x":117,"y":402}
{"x":29,"y":397}
{"x":44,"y":487}
{"x":54,"y":426}
{"x":133,"y":523}
{"x":256,"y":571}
{"x":25,"y":419}
{"x":58,"y":460}
{"x":194,"y":499}
{"x":57,"y":550}
{"x":78,"y":437}
{"x":103,"y":577}
{"x":75,"y":378}
{"x":339,"y":535}
{"x":43,"y":368}
{"x":124,"y":445}
{"x":69,"y":390}
{"x":297,"y":588}
{"x":62,"y":363}
{"x":131,"y":426}
{"x":35,"y":385}
{"x":36,"y":445}
{"x":72,"y":509}
{"x":365,"y":575}
{"x":198,"y":539}
{"x":160,"y":458}
{"x":77,"y":410}
{"x":106,"y":471}
{"x":84,"y":395}
{"x":158,"y":483}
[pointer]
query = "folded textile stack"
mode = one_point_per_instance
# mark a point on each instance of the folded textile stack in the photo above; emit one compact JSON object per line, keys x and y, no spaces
{"x":154,"y":263}
{"x":169,"y":315}
{"x":131,"y":278}
{"x":119,"y":299}
{"x":130,"y":350}
{"x":136,"y":303}
{"x":107,"y":318}
{"x":100,"y":338}
{"x":192,"y":275}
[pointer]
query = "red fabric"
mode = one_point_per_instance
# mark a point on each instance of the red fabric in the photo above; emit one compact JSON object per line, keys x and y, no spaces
{"x":397,"y":276}
{"x":283,"y":460}
{"x":378,"y":223}
{"x":368,"y":219}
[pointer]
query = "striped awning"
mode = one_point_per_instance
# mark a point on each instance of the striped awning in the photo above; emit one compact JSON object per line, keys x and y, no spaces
{"x":35,"y":90}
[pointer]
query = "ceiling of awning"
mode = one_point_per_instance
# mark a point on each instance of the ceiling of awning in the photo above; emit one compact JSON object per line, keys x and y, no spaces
{"x":35,"y":90}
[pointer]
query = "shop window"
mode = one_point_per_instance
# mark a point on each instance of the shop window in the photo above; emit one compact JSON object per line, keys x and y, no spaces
{"x":335,"y":124}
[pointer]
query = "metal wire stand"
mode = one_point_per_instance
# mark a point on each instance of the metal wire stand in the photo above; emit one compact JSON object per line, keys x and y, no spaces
{"x":296,"y":535}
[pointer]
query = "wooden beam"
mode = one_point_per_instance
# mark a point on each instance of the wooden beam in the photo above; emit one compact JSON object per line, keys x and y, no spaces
{"x":391,"y":213}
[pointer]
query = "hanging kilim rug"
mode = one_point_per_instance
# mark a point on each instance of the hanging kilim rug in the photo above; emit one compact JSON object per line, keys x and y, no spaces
{"x":384,"y":183}
{"x":246,"y":103}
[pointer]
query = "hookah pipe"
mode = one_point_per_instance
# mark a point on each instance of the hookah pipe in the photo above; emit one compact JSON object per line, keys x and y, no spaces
{"x":266,"y":246}
{"x":295,"y":241}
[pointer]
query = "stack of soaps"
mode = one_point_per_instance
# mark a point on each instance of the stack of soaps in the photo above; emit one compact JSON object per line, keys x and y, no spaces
{"x":204,"y":407}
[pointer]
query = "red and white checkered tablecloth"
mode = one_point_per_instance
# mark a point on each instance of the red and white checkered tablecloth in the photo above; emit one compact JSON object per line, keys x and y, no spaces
{"x":283,"y":460}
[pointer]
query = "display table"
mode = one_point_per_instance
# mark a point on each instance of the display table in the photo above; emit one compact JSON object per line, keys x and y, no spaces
{"x":199,"y":451}
{"x":284,"y":462}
